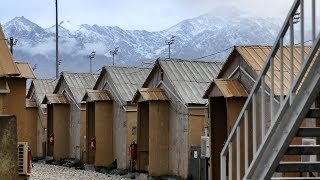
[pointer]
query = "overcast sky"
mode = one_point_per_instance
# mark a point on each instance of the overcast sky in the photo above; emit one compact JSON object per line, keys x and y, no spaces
{"x":149,"y":15}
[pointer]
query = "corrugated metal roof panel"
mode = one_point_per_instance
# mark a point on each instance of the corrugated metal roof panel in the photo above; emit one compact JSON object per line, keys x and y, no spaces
{"x":43,"y":87}
{"x":79,"y":83}
{"x":55,"y":99}
{"x":256,"y":57}
{"x":231,"y":87}
{"x":127,"y":80}
{"x":97,"y":95}
{"x":7,"y":65}
{"x":190,"y":78}
{"x":153,"y":94}
{"x":31,"y":103}
{"x":25,"y":70}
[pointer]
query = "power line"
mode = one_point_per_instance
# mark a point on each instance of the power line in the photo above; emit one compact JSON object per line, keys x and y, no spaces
{"x":213,"y":53}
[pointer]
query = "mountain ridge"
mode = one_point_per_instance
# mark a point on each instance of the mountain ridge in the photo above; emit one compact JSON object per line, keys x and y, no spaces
{"x":195,"y":37}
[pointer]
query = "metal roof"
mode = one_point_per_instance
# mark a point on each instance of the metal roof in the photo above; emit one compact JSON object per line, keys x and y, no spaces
{"x":41,"y":87}
{"x":7,"y":65}
{"x":256,"y":55}
{"x":97,"y":95}
{"x":151,"y":94}
{"x":126,"y":80}
{"x":25,"y":70}
{"x":231,"y":87}
{"x":190,"y":78}
{"x":78,"y":83}
{"x":31,"y":103}
{"x":55,"y":99}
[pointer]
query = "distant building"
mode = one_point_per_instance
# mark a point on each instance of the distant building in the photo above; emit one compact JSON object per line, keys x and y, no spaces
{"x":172,"y":116}
{"x":228,"y":93}
{"x":35,"y":95}
{"x":67,"y":98}
{"x":115,"y":89}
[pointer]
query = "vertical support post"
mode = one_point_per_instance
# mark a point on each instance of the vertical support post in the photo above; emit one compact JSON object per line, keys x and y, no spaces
{"x":223,"y":167}
{"x":263,"y":109}
{"x":271,"y":89}
{"x":291,"y":58}
{"x":313,"y":14}
{"x":230,"y":161}
{"x":254,"y":124}
{"x":281,"y":72}
{"x":246,"y":142}
{"x":302,"y":29}
{"x":57,"y":42}
{"x":238,"y":153}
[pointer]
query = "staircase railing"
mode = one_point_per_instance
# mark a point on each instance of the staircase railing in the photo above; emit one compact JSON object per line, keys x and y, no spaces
{"x":257,"y":116}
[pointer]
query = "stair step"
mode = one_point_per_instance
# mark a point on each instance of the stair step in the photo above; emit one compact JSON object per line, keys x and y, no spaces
{"x":298,"y":167}
{"x":293,"y":178}
{"x":313,"y":113}
{"x":303,"y":150}
{"x":308,"y":132}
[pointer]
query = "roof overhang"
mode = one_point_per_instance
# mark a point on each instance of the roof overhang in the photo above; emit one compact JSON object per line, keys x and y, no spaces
{"x":31,"y":103}
{"x":97,"y":95}
{"x":150,"y":94}
{"x":55,"y":99}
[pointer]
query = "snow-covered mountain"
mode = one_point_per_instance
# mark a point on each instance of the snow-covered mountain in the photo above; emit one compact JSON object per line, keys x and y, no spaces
{"x":195,"y":37}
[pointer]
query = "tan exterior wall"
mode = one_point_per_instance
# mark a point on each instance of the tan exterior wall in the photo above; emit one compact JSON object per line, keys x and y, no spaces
{"x":131,"y":132}
{"x":83,"y":133}
{"x":143,"y":136}
{"x":124,"y":118}
{"x":90,"y":130}
{"x":41,"y":132}
{"x":104,"y":133}
{"x":31,"y":118}
{"x":158,"y":138}
{"x":15,"y":103}
{"x":61,"y":114}
{"x":120,"y":135}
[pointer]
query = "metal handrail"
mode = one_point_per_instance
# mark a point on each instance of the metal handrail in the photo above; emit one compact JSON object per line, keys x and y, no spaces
{"x":260,"y":83}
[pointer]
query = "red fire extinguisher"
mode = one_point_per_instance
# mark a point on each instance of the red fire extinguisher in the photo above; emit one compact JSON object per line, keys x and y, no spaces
{"x":29,"y":161}
{"x":51,"y":139}
{"x":93,"y":143}
{"x":133,"y":150}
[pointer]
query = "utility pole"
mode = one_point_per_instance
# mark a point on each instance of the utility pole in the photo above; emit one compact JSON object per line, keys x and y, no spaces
{"x":12,"y":42}
{"x":113,"y":53}
{"x":91,"y":57}
{"x":57,"y":42}
{"x":169,"y":42}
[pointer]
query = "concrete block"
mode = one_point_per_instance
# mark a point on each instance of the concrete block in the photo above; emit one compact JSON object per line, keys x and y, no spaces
{"x":8,"y":148}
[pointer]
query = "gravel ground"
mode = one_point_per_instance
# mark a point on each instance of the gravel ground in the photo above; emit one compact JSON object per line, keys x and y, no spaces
{"x":51,"y":172}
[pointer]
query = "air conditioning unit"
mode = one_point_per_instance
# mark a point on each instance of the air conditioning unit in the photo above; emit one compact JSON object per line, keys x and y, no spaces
{"x":205,"y":146}
{"x":23,"y":158}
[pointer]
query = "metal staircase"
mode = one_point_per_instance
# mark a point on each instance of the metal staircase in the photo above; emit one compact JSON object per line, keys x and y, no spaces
{"x":277,"y":106}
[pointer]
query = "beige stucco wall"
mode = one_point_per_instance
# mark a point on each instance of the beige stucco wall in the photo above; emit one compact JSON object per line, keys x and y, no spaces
{"x":31,"y":118}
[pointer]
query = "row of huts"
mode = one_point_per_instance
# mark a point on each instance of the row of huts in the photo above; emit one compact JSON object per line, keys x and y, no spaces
{"x":164,"y":109}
